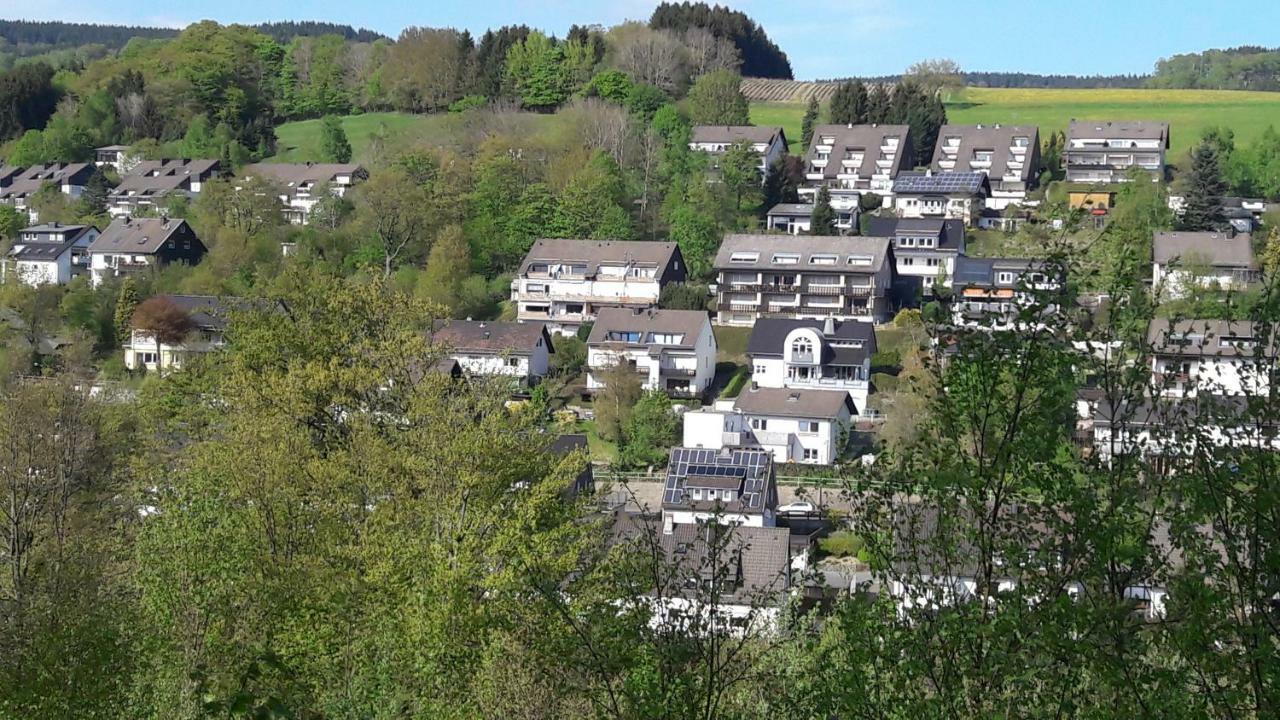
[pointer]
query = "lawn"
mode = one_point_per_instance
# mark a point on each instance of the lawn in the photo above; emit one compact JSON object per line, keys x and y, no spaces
{"x":732,"y":344}
{"x":300,"y":141}
{"x":1188,"y":111}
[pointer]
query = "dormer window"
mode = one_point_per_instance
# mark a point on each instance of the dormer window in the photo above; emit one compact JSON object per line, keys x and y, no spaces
{"x":861,"y":260}
{"x":786,"y":259}
{"x":802,"y":346}
{"x":744,"y":257}
{"x":1004,"y":277}
{"x":822,"y":260}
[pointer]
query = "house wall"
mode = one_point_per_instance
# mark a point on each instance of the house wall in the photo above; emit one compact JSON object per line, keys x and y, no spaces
{"x":142,"y":351}
{"x":790,"y":225}
{"x":44,"y":272}
{"x":701,"y":360}
{"x":1210,"y":375}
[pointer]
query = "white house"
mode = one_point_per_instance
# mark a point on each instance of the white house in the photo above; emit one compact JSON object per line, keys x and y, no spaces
{"x":147,"y":185}
{"x":790,"y":218}
{"x":1002,"y":293}
{"x":1007,"y":154}
{"x":924,"y":251}
{"x":302,"y":185}
{"x":564,"y":283}
{"x":808,"y":276}
{"x":852,"y":159}
{"x":795,"y":426}
{"x":51,"y":254}
{"x":1183,"y":261}
{"x":769,"y":143}
{"x":1105,"y":152}
{"x":731,"y":486}
{"x":672,"y":350}
{"x":813,"y":355}
{"x":491,"y":348}
{"x":208,"y":314}
{"x":1176,"y":427}
{"x":948,"y":195}
{"x":1214,"y":357}
{"x":135,"y":245}
{"x":115,"y":157}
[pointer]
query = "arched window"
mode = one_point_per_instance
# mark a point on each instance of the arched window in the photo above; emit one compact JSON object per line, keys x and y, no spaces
{"x":801,"y":346}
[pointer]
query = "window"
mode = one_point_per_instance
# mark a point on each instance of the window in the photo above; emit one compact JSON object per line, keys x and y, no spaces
{"x":927,"y":242}
{"x":513,"y":362}
{"x":786,"y":259}
{"x":759,"y":424}
{"x":906,"y":242}
{"x":744,"y":257}
{"x":907,"y":261}
{"x":1021,"y":141}
{"x":822,"y":259}
{"x":802,"y":346}
{"x":759,"y":370}
{"x":666,"y":338}
{"x":808,"y":426}
{"x":696,"y":493}
{"x":146,"y":358}
{"x":1004,"y":278}
{"x":810,"y":454}
{"x":863,"y":260}
{"x":727,"y":495}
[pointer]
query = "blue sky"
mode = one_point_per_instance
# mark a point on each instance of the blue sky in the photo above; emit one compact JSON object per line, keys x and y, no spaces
{"x":823,"y":38}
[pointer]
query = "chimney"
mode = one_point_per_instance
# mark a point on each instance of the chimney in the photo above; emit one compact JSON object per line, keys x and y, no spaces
{"x":829,"y":326}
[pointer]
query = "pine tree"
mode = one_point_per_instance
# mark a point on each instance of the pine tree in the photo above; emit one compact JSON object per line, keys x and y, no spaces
{"x":126,"y":303}
{"x":779,"y":186}
{"x":877,"y":105}
{"x":1204,"y":190}
{"x":823,"y":219}
{"x":810,"y":119}
{"x":334,"y":145}
{"x":849,"y":103}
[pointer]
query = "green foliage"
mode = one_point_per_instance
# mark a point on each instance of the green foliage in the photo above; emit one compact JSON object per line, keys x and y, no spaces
{"x":27,"y":99}
{"x":741,"y":376}
{"x":448,"y":266}
{"x":841,"y":543}
{"x":822,"y":221}
{"x":698,"y":238}
{"x":469,"y":102}
{"x":809,"y":121}
{"x":739,"y":171}
{"x":592,"y":205}
{"x":127,"y":301}
{"x":612,"y":85}
{"x":651,"y":430}
{"x":570,"y":356}
{"x":334,"y":146}
{"x":1204,"y":188}
{"x":12,"y":220}
{"x":644,"y":101}
{"x":536,"y":72}
{"x":849,"y":104}
{"x":684,"y":296}
{"x":716,"y":99}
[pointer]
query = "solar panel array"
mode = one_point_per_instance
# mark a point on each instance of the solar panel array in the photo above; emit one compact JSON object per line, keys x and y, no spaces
{"x":755,"y":466}
{"x":942,"y":182}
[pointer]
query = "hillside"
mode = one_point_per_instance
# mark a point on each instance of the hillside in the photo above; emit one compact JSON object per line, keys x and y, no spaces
{"x":1189,"y":111}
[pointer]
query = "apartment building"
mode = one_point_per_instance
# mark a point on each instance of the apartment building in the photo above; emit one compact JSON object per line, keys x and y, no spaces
{"x":1184,"y":261}
{"x":672,"y":350}
{"x":302,"y":185}
{"x":795,"y":426}
{"x":813,"y":355}
{"x":51,"y":254}
{"x":816,"y":277}
{"x":950,"y":195}
{"x":1001,"y":293}
{"x":1210,"y":357}
{"x":148,"y":184}
{"x":769,"y":143}
{"x":135,"y":245}
{"x":1105,"y":152}
{"x":1009,"y":155}
{"x":924,"y":251}
{"x":850,"y":160}
{"x":565,"y":283}
{"x":19,"y":184}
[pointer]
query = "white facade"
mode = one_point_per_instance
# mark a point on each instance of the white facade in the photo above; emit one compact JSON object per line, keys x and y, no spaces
{"x":57,"y":270}
{"x":684,"y":371}
{"x":948,"y":207}
{"x":565,"y":300}
{"x":768,"y":151}
{"x":143,"y":352}
{"x":1173,"y":282}
{"x":535,"y":364}
{"x":103,"y":265}
{"x":810,"y":441}
{"x":801,"y":367}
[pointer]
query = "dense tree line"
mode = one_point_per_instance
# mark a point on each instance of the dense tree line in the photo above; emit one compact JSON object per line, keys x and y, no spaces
{"x":31,"y":37}
{"x":27,"y":99}
{"x":1240,"y":68}
{"x":286,"y":31}
{"x":904,"y":103}
{"x":760,"y":56}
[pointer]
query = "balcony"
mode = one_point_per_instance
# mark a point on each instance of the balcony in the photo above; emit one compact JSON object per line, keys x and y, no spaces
{"x":824,"y":289}
{"x":766,"y":437}
{"x":666,"y":371}
{"x":803,"y":358}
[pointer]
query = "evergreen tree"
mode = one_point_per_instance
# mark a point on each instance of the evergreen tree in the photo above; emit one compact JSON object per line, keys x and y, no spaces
{"x":810,"y":119}
{"x":849,"y":103}
{"x":126,"y":303}
{"x":823,"y":219}
{"x":779,"y":185}
{"x":1204,"y":190}
{"x":877,"y":105}
{"x":333,"y":140}
{"x":94,"y":199}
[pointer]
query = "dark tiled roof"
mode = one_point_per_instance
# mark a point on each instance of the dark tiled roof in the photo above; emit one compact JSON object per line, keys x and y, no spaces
{"x":55,"y":240}
{"x":295,"y":176}
{"x":735,"y":133}
{"x":689,"y":324}
{"x":770,"y":334}
{"x":950,"y":233}
{"x":1219,"y":249}
{"x":24,"y":182}
{"x":1206,"y":338}
{"x":790,"y":402}
{"x":806,"y":246}
{"x":208,"y":312}
{"x":864,"y":138}
{"x":139,"y":236}
{"x":792,"y":209}
{"x":155,"y":178}
{"x":1118,"y":129}
{"x":982,"y":271}
{"x":596,"y":252}
{"x":947,"y":183}
{"x":996,"y":138}
{"x":754,"y":467}
{"x":488,"y":336}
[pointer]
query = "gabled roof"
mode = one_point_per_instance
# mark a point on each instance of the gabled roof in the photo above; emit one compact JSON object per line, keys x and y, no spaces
{"x":982,"y":271}
{"x":158,"y":177}
{"x":806,"y":246}
{"x":293,"y":176}
{"x":489,"y":336}
{"x":1118,"y":130}
{"x":688,"y":324}
{"x":793,"y":402}
{"x":1207,"y":338}
{"x":769,"y":335}
{"x":594,"y":253}
{"x":730,"y":134}
{"x":24,"y":182}
{"x":943,"y":183}
{"x":136,"y":236}
{"x":208,"y":312}
{"x":998,"y":139}
{"x":56,"y":240}
{"x":865,"y":138}
{"x":791,"y":210}
{"x":754,"y":468}
{"x":1218,"y":249}
{"x":949,"y":233}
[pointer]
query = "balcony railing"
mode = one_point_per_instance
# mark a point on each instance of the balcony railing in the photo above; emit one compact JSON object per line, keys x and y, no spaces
{"x":824,"y":289}
{"x":676,"y":372}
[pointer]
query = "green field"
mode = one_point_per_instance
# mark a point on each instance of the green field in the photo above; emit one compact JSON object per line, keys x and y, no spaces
{"x":1187,"y":111}
{"x":300,"y":141}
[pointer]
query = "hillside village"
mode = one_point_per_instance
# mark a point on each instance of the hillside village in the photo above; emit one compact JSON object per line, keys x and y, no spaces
{"x":636,"y":366}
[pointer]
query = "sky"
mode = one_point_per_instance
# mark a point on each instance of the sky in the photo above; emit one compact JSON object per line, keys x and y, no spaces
{"x":823,"y":38}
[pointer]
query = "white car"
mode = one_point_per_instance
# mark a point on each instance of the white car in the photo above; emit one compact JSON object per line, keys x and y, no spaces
{"x":797,"y":508}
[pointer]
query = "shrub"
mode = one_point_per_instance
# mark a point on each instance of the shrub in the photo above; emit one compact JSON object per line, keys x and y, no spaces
{"x":737,"y":382}
{"x":467,"y":103}
{"x":842,"y":543}
{"x":886,"y":360}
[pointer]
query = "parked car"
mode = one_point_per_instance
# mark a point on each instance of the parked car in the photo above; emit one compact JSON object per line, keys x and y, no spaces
{"x":797,"y":508}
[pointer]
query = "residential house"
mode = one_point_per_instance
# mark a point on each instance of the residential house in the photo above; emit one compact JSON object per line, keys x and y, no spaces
{"x":1214,"y":357}
{"x":303,"y":185}
{"x":1007,"y":154}
{"x":845,"y":278}
{"x":792,"y":218}
{"x":131,"y":245}
{"x":769,"y":143}
{"x":950,"y":195}
{"x":565,"y":283}
{"x":730,"y":486}
{"x":521,"y":351}
{"x":672,"y":350}
{"x":115,"y":157}
{"x":813,"y":355}
{"x":1182,"y":261}
{"x":51,"y":254}
{"x":1105,"y":152}
{"x":1002,"y":293}
{"x":209,"y":316}
{"x":148,"y":184}
{"x":1169,"y":429}
{"x":924,"y":252}
{"x":19,"y":185}
{"x":794,"y":425}
{"x":850,"y":160}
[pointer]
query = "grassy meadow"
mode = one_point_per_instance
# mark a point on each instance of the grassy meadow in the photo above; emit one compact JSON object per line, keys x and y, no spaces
{"x":1188,"y":111}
